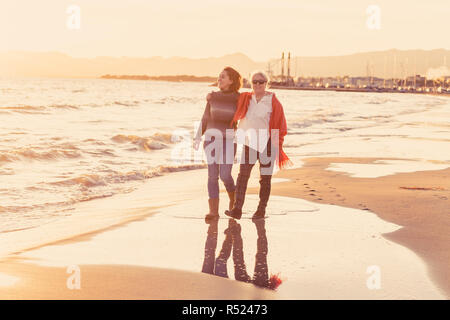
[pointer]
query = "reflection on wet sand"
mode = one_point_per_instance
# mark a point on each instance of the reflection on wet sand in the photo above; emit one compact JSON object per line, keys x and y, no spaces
{"x":233,"y":242}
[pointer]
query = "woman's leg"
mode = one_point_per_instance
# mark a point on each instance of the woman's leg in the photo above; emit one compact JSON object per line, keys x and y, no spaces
{"x":245,"y":170}
{"x":213,"y":185}
{"x":228,"y":181}
{"x":241,"y":184}
{"x":213,"y":181}
{"x":266,"y":166}
{"x":213,"y":172}
{"x":264,"y":194}
{"x":227,"y":165}
{"x":225,"y":170}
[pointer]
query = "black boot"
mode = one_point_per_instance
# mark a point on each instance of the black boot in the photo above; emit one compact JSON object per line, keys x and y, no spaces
{"x":234,"y":213}
{"x":264,"y":194}
{"x":241,"y":188}
{"x":213,"y":209}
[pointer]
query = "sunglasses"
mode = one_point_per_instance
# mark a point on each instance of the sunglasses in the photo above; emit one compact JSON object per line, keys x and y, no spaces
{"x":259,"y":81}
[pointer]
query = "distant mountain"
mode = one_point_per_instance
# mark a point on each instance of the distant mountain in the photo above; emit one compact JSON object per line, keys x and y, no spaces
{"x":378,"y":64}
{"x":54,"y":64}
{"x":178,"y":78}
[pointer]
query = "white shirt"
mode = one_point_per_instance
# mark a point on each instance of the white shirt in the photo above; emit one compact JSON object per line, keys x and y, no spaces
{"x":255,"y":124}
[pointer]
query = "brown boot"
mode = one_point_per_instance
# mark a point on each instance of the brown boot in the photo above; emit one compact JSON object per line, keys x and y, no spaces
{"x":231,"y":195}
{"x":213,"y":209}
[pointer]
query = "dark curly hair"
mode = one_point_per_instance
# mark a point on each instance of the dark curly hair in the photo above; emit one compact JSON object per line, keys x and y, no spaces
{"x":235,"y":77}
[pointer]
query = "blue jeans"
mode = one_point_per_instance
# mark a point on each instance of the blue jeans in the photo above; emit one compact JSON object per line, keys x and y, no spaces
{"x":220,"y":166}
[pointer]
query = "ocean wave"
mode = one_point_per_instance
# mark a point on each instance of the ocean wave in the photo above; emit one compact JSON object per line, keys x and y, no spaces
{"x":93,"y":186}
{"x":44,"y":207}
{"x":6,"y":158}
{"x":95,"y":141}
{"x":180,"y":99}
{"x":65,"y":151}
{"x":96,"y":180}
{"x":157,"y":141}
{"x":28,"y":109}
{"x":316,"y":119}
{"x":25,"y":109}
{"x":87,"y":180}
{"x":102,"y":152}
{"x":378,"y":100}
{"x":6,"y":171}
{"x":163,"y":169}
{"x":127,"y":103}
{"x":63,"y":106}
{"x":372,"y":117}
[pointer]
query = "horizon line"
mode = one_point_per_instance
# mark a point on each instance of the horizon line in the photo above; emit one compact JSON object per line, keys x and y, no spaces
{"x":212,"y":57}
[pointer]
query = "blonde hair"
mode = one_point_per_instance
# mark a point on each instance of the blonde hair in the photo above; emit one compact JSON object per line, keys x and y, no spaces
{"x":260,"y":73}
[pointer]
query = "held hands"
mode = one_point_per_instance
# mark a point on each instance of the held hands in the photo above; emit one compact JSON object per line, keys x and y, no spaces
{"x":196,"y":141}
{"x":196,"y":144}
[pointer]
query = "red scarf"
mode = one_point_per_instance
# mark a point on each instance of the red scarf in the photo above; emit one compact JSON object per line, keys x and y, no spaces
{"x":277,"y":121}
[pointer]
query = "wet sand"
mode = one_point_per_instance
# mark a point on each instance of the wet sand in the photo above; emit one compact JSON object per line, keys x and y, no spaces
{"x":321,"y":249}
{"x":417,"y":201}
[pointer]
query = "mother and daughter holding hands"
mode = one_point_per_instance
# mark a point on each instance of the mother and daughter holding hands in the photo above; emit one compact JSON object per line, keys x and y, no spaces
{"x":256,"y":120}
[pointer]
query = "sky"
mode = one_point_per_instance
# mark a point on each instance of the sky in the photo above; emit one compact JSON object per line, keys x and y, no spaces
{"x":261,"y":29}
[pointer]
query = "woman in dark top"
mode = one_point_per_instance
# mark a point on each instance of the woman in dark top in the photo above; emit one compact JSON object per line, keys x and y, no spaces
{"x":219,"y":145}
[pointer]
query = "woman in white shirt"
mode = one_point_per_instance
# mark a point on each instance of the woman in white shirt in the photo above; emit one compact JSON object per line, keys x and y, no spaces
{"x":254,"y":133}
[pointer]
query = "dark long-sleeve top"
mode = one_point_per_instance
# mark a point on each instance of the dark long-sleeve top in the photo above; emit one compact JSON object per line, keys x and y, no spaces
{"x":219,"y":112}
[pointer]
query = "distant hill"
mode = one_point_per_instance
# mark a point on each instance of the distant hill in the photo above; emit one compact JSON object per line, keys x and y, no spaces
{"x":378,"y":63}
{"x":177,"y":78}
{"x":54,"y":64}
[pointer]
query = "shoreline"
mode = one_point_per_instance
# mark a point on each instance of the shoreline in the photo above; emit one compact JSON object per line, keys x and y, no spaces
{"x":418,"y":201}
{"x":363,"y":90}
{"x":306,"y":272}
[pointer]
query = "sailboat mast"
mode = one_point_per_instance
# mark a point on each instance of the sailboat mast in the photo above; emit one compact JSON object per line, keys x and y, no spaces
{"x":289,"y":66}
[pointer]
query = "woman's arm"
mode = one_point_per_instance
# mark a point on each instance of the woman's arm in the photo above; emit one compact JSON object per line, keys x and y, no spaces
{"x":205,"y":118}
